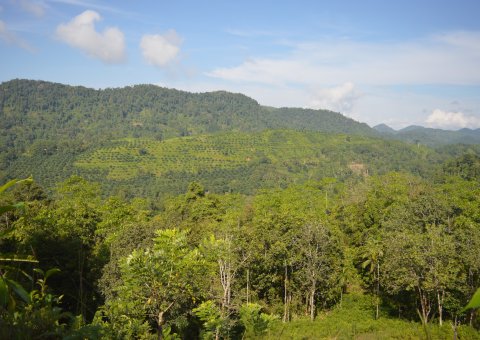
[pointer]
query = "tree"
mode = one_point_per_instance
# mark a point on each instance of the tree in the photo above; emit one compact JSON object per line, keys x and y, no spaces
{"x":319,"y":264}
{"x":420,"y":256}
{"x":372,"y":253}
{"x":159,"y":285}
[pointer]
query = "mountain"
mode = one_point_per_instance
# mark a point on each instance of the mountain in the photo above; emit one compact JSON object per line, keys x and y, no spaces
{"x":152,"y":141}
{"x":33,"y":110}
{"x":412,"y":128}
{"x":45,"y":126}
{"x":385,"y":129}
{"x":437,"y":137}
{"x":432,"y":137}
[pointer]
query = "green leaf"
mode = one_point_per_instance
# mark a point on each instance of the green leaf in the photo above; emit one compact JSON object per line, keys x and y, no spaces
{"x":10,"y":207}
{"x":39,"y":271}
{"x":13,"y":182}
{"x":3,"y":292}
{"x":19,"y":290}
{"x":51,"y":272}
{"x":474,"y":302}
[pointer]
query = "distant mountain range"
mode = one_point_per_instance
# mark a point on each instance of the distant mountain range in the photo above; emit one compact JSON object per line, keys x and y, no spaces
{"x":428,"y":136}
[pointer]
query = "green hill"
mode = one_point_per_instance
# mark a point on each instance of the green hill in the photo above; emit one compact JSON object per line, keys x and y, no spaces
{"x":37,"y":112}
{"x":152,"y":141}
{"x":45,"y":126}
{"x":229,"y":161}
{"x":428,"y":136}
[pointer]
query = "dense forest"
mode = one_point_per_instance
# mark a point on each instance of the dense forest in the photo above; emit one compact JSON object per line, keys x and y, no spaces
{"x":156,"y":213}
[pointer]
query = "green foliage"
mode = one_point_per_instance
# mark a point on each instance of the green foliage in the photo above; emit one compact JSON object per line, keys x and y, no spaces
{"x":474,"y":302}
{"x":46,"y":125}
{"x":214,"y":325}
{"x":242,"y":162}
{"x":467,"y":166}
{"x":322,"y":230}
{"x":157,"y":285}
{"x":254,"y":321}
{"x":18,"y":205}
{"x":38,"y":314}
{"x":150,"y":141}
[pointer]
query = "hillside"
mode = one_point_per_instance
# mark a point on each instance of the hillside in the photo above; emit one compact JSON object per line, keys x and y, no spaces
{"x":43,"y":123}
{"x":383,"y":128}
{"x":43,"y":115}
{"x":152,"y":141}
{"x":428,"y":136}
{"x":227,"y":161}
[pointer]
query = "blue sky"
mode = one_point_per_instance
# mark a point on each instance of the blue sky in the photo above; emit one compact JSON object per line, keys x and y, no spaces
{"x":393,"y":62}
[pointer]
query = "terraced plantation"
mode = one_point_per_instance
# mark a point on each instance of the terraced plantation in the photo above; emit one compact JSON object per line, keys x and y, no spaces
{"x":128,"y":158}
{"x":291,"y":155}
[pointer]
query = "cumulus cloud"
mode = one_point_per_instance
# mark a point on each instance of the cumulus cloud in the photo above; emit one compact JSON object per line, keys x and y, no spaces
{"x":11,"y":38}
{"x":340,"y":98}
{"x":108,"y":46}
{"x":161,"y":49}
{"x":452,"y":120}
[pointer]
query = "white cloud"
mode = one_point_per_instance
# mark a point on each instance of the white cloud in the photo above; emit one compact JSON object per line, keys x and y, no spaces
{"x":340,"y":98}
{"x":452,"y":120}
{"x":388,"y":74}
{"x":108,"y":46}
{"x":11,"y":38}
{"x":36,"y":8}
{"x":161,"y":50}
{"x":451,"y":58}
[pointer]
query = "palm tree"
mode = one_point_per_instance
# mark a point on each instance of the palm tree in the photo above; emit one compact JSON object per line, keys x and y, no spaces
{"x":372,"y":253}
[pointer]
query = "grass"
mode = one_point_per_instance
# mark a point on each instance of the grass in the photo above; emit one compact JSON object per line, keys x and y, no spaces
{"x":355,"y":320}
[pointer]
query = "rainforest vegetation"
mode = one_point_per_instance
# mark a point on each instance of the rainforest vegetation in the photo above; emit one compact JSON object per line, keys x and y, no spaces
{"x":156,"y":213}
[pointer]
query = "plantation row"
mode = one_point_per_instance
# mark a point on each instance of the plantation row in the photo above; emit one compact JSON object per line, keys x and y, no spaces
{"x":125,"y":159}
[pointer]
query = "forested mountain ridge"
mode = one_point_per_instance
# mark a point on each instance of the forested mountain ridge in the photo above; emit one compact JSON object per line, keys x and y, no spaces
{"x":34,"y":111}
{"x":146,"y":138}
{"x":44,"y":124}
{"x":428,"y":136}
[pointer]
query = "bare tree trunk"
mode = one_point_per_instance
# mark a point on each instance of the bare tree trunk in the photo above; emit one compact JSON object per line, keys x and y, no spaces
{"x":248,"y":286}
{"x":454,"y":328}
{"x":286,"y":312}
{"x":425,"y":305}
{"x":377,"y":292}
{"x":440,"y":299}
{"x":225,"y":280}
{"x":161,"y":320}
{"x":312,"y":301}
{"x":307,"y":303}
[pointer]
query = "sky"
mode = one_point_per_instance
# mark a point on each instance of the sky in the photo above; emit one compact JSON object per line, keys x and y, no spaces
{"x":395,"y":62}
